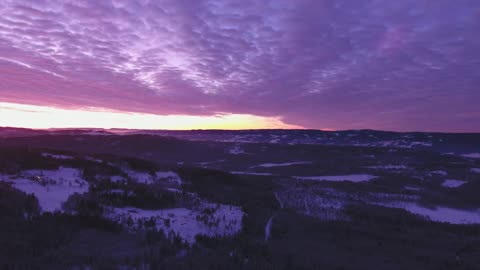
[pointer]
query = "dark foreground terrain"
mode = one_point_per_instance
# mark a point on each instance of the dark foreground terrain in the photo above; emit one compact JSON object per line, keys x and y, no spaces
{"x":122,"y":199}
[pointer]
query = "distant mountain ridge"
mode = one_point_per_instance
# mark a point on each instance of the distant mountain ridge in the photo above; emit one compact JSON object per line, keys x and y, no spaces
{"x":457,"y":143}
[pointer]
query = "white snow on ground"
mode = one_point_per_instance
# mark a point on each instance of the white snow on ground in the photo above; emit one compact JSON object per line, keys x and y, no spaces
{"x":475,"y":170}
{"x":51,"y":187}
{"x":251,"y":173}
{"x":328,"y":204}
{"x":56,"y":156}
{"x":420,"y":144}
{"x":209,"y":219}
{"x":399,"y":144}
{"x":472,"y":155}
{"x":452,"y":183}
{"x":388,"y":167}
{"x":440,"y":214}
{"x":444,"y":173}
{"x":268,"y":228}
{"x":338,"y":178}
{"x":117,"y":178}
{"x":412,"y":188}
{"x":175,"y":190}
{"x":147,"y":178}
{"x":169,"y":176}
{"x":236,"y":150}
{"x":93,"y":159}
{"x":140,"y":177}
{"x":269,"y":165}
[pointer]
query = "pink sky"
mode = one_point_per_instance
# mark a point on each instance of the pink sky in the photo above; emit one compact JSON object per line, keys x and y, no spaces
{"x":392,"y":65}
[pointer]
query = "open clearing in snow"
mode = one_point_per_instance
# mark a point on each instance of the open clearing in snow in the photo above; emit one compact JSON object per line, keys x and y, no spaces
{"x":51,"y":187}
{"x":452,"y":183}
{"x":209,"y":219}
{"x":439,"y":214}
{"x":472,"y":155}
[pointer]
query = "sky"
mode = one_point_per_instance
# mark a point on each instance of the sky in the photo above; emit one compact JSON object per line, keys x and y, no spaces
{"x":407,"y":65}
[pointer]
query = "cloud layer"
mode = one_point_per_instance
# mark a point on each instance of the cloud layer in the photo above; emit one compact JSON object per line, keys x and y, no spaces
{"x":398,"y":65}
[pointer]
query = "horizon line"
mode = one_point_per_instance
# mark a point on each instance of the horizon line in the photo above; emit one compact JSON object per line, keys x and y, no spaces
{"x":216,"y":129}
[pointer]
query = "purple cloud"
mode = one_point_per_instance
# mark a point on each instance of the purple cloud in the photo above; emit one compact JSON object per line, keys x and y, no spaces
{"x":397,"y":65}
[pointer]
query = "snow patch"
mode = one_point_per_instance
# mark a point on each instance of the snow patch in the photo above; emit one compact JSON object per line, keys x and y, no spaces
{"x":169,"y":176}
{"x":471,"y":155}
{"x":338,"y":178}
{"x":93,"y":159}
{"x":56,"y":156}
{"x":140,"y":177}
{"x":420,"y":144}
{"x":268,"y":228}
{"x":117,"y":179}
{"x":174,"y":190}
{"x":475,"y":170}
{"x":452,"y":183}
{"x":444,"y":173}
{"x":236,"y":150}
{"x":269,"y":165}
{"x":388,"y":167}
{"x":251,"y":173}
{"x":412,"y":188}
{"x":440,"y":214}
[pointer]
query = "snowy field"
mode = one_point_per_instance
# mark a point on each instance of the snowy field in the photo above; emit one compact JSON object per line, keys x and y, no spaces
{"x":329,"y":203}
{"x":472,"y":155}
{"x":209,"y":219}
{"x":51,"y":187}
{"x":439,"y":214}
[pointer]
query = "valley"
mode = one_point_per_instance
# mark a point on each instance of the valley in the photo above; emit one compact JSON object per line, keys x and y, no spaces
{"x":170,"y":201}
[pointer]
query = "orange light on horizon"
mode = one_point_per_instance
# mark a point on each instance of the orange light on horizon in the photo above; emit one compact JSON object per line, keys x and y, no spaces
{"x":43,"y":117}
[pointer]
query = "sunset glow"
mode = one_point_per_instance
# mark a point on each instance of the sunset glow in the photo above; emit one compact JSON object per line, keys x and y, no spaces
{"x":386,"y":65}
{"x":30,"y":116}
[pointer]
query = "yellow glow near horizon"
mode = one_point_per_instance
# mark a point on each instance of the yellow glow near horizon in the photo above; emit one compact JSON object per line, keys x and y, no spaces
{"x":42,"y":117}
